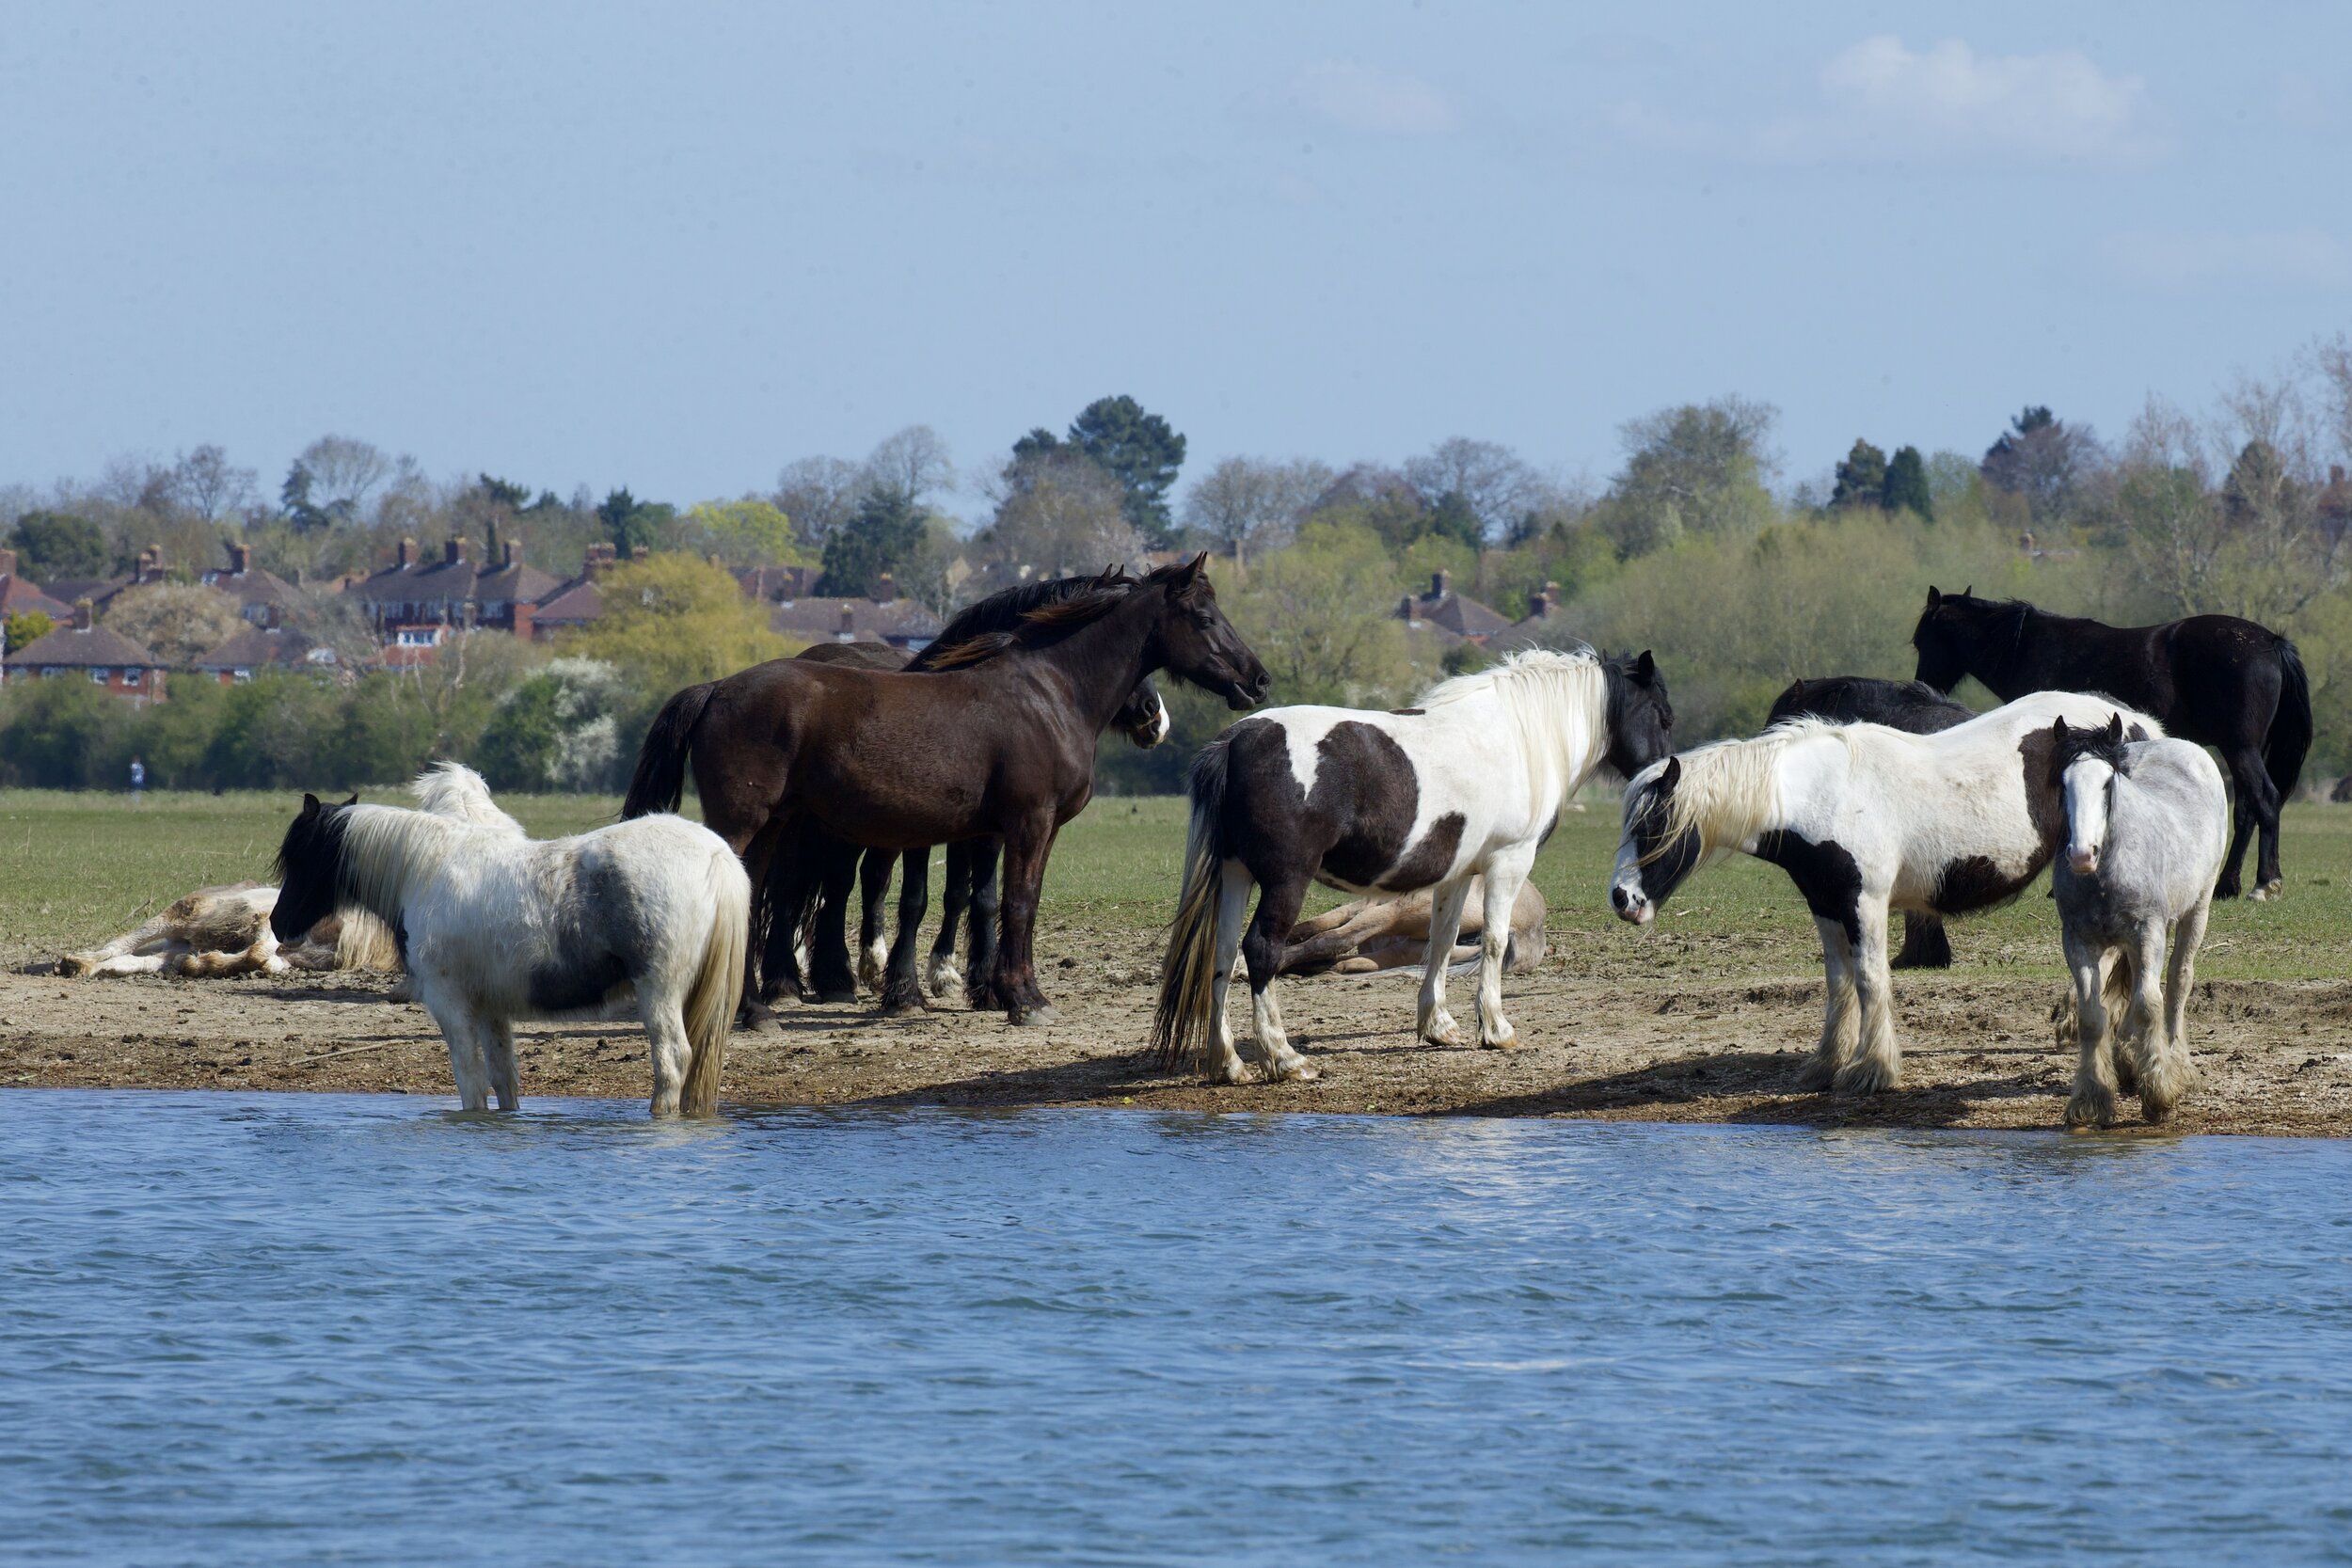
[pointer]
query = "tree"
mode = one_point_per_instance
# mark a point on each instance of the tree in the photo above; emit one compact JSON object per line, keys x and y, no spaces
{"x":1320,"y":616}
{"x":911,"y":465}
{"x":1489,"y":479}
{"x":53,"y":544}
{"x":26,"y":627}
{"x":1454,"y":517}
{"x":1061,"y":513}
{"x":819,"y":495}
{"x":1696,"y":469}
{"x":1138,"y":449}
{"x":2039,"y":458}
{"x":340,"y":472}
{"x":175,"y":621}
{"x":672,"y":620}
{"x":885,"y":534}
{"x":557,"y":729}
{"x":632,"y":524}
{"x":206,"y":484}
{"x":1907,"y":488}
{"x":1379,"y":498}
{"x":749,"y":532}
{"x":1247,"y":505}
{"x":1861,"y":478}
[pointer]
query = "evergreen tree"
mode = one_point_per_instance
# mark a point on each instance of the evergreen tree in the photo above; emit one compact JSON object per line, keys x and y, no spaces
{"x":883,"y":535}
{"x":1139,"y":449}
{"x":1454,"y":517}
{"x":53,"y":544}
{"x":1907,"y":484}
{"x":1861,"y":478}
{"x":631,"y":523}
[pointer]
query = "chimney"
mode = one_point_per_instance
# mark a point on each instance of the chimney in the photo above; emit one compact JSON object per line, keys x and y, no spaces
{"x":407,"y":554}
{"x":8,"y":564}
{"x":524,"y":610}
{"x":240,"y":560}
{"x":453,"y":552}
{"x":887,"y":590}
{"x":599,"y":560}
{"x":151,"y":564}
{"x":510,"y":553}
{"x":849,"y":626}
{"x":1411,"y":609}
{"x":641,"y":552}
{"x":1440,"y":584}
{"x":82,"y":610}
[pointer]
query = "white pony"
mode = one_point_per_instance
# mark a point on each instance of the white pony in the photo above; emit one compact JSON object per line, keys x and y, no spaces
{"x":2147,"y":825}
{"x":226,"y":930}
{"x":1864,"y":818}
{"x":500,"y":928}
{"x":1467,"y":781}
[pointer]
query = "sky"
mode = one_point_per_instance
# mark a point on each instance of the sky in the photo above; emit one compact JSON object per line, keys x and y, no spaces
{"x":675,"y":247}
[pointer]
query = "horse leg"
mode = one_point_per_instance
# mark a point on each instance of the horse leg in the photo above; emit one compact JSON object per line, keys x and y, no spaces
{"x":786,"y":887}
{"x":462,"y":1033}
{"x":1503,"y":877}
{"x":830,"y":973}
{"x":987,"y":917}
{"x":1027,"y":846}
{"x":498,"y":1052}
{"x":873,"y":887}
{"x":1878,"y":1065}
{"x":2171,"y":1073}
{"x":1924,"y":944}
{"x":2250,"y":787}
{"x":902,"y":993}
{"x":1233,"y":898}
{"x":1433,"y":1022}
{"x":1261,"y":949}
{"x":2267,"y":803}
{"x":955,"y":897}
{"x":2093,"y":1104}
{"x":1838,"y":1017}
{"x":672,"y":1050}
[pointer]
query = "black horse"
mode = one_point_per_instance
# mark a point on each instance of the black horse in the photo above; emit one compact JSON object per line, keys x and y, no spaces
{"x":1911,"y":705}
{"x":2214,"y":679}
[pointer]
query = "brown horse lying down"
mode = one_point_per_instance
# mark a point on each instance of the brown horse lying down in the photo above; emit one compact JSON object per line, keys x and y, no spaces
{"x":1374,"y":934}
{"x":225,"y":931}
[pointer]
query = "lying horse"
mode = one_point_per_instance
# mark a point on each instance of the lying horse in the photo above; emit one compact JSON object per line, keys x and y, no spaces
{"x":2216,"y":679}
{"x":1369,"y":935}
{"x":1468,"y":781}
{"x":1863,"y":819}
{"x":226,"y":930}
{"x":1911,"y":705}
{"x":997,"y":742}
{"x":499,"y":929}
{"x":2146,"y":821}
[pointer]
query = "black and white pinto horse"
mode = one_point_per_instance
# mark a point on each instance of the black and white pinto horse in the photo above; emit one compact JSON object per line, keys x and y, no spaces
{"x":1468,"y":781}
{"x":2214,"y":679}
{"x":1912,"y":706}
{"x":2146,"y":823}
{"x":496,"y":926}
{"x":1864,"y":818}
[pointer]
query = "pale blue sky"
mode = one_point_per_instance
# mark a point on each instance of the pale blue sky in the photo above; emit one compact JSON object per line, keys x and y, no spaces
{"x":678,"y":246}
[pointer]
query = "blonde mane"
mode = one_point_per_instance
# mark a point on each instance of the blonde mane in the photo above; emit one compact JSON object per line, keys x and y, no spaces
{"x":456,"y":791}
{"x":384,"y":846}
{"x":1558,"y":703}
{"x":1729,"y":790}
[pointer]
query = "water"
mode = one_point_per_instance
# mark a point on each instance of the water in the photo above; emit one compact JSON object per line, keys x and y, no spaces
{"x":267,"y":1329}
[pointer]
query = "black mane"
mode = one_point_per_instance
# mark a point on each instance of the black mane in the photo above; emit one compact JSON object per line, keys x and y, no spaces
{"x":988,"y":628}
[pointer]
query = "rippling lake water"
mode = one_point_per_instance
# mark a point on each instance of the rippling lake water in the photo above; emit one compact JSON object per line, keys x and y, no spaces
{"x":361,"y":1330}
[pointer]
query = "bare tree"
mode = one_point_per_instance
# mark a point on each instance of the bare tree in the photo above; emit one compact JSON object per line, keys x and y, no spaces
{"x":1248,"y":505}
{"x":345,"y":471}
{"x":818,"y":493}
{"x":911,"y":465}
{"x":206,"y":484}
{"x":1060,"y":514}
{"x":1488,"y":477}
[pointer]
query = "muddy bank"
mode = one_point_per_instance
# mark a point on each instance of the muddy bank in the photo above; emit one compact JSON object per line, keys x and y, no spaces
{"x":2276,"y":1055}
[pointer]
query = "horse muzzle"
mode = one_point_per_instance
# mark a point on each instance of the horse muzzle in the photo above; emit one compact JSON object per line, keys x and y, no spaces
{"x":2083,"y":862}
{"x":1631,"y":908}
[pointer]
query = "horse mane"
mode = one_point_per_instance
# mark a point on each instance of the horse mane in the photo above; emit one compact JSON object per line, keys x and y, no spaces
{"x":1729,"y":791}
{"x":454,"y":790}
{"x":1552,"y":696}
{"x":1027,"y":617}
{"x":385,"y":849}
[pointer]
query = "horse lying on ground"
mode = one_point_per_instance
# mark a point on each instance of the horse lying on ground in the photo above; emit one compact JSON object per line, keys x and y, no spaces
{"x":2225,"y":683}
{"x":1863,"y":819}
{"x":1469,"y":781}
{"x":499,"y":927}
{"x":1369,"y":935}
{"x":1912,"y":706}
{"x":2146,"y":823}
{"x":226,"y":930}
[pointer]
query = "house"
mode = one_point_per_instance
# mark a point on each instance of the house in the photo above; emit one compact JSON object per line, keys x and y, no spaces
{"x":454,"y":592}
{"x":256,"y":592}
{"x":1542,"y":627}
{"x":254,"y":649}
{"x":1460,"y":619}
{"x":575,"y":602}
{"x":774,"y":584}
{"x":81,"y":647}
{"x":884,"y":618}
{"x":20,"y":595}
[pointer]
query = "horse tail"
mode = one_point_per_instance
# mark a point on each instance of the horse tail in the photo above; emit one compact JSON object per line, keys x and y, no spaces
{"x":718,"y":988}
{"x":2290,"y":738}
{"x":1180,"y":1027}
{"x":659,"y":782}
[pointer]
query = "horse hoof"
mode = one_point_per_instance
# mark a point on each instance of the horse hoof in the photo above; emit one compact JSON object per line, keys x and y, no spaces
{"x":1296,"y":1072}
{"x":838,"y":993}
{"x":1506,"y":1042}
{"x":1864,"y":1077}
{"x":2226,"y":888}
{"x":2093,"y":1111}
{"x":1817,"y":1075}
{"x":2265,"y":893}
{"x":1032,"y":1017}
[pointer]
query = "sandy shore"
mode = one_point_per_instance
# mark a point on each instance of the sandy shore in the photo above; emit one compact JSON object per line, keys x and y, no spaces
{"x":2276,"y":1056}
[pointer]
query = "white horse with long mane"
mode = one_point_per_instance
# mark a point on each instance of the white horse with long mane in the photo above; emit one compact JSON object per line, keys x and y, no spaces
{"x":500,"y":928}
{"x":1865,"y":819}
{"x":1467,"y":781}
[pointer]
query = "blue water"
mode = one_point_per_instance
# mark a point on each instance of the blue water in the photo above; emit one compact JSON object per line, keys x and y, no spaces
{"x":296,"y":1329}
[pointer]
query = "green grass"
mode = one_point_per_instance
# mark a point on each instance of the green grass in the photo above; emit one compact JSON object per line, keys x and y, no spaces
{"x":76,"y":869}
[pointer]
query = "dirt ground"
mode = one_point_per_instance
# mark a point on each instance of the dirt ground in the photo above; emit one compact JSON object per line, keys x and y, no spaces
{"x":1604,"y":1037}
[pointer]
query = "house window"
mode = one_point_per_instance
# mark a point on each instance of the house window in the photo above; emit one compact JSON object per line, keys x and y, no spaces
{"x":51,"y":672}
{"x":131,"y":677}
{"x":98,"y":676}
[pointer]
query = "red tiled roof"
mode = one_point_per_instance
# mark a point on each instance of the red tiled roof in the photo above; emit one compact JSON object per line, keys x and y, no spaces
{"x":256,"y":647}
{"x":18,"y":595}
{"x":82,"y":648}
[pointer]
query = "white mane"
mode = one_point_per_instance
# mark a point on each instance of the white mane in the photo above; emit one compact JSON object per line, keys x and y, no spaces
{"x":1729,"y":790}
{"x":386,"y":846}
{"x":1559,"y":701}
{"x":456,"y":791}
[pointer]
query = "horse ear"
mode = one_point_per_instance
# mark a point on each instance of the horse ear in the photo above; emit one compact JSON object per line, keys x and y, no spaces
{"x":2058,"y":731}
{"x":355,"y":798}
{"x":1645,"y":667}
{"x":1969,"y":592}
{"x":2114,"y":727}
{"x":310,"y":805}
{"x":1193,"y":569}
{"x":1934,"y":598}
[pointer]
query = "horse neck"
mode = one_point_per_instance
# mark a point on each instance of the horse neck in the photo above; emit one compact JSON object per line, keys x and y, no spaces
{"x":1563,"y":740}
{"x":383,"y":850}
{"x":1104,"y":661}
{"x":2017,"y":657}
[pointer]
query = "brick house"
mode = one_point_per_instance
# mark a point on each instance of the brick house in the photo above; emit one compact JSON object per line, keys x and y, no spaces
{"x":256,"y":649}
{"x":415,"y":595}
{"x":20,"y":595}
{"x":576,"y":601}
{"x":257,"y":592}
{"x":883,"y":618}
{"x":104,"y":657}
{"x":1542,"y":627}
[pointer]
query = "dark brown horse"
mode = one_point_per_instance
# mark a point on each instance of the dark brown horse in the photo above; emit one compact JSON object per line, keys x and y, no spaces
{"x":2214,"y":679}
{"x":999,"y":741}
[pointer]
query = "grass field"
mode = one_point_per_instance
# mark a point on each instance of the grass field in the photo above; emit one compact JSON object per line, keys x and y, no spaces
{"x":75,"y":868}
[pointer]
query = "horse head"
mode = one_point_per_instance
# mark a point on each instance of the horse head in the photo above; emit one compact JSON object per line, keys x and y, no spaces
{"x":2084,"y":764}
{"x":1639,"y":716}
{"x":1143,"y":717}
{"x":309,"y":861}
{"x":1198,"y":643}
{"x":1652,"y":861}
{"x":1956,"y":637}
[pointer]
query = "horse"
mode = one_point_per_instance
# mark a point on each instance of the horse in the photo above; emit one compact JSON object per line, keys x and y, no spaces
{"x":1366,"y":936}
{"x":1467,"y":781}
{"x":226,"y":930}
{"x":1912,"y":706}
{"x":497,"y":928}
{"x":2146,"y":822}
{"x":811,"y":914}
{"x":997,"y":740}
{"x":2216,"y":679}
{"x":1863,"y":819}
